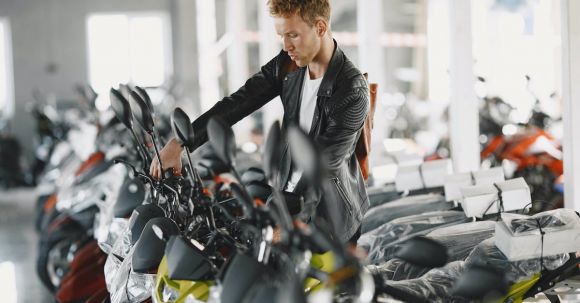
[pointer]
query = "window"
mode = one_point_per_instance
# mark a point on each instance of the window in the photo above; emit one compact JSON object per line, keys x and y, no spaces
{"x":6,"y":80}
{"x":127,"y":48}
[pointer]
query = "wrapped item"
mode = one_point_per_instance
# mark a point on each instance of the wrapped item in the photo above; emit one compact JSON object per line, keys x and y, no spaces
{"x":129,"y":286}
{"x":453,"y":183}
{"x":377,"y":241}
{"x":488,"y":254}
{"x":384,"y":170}
{"x":460,"y":240}
{"x":434,"y":286}
{"x":520,"y":236}
{"x":480,"y":200}
{"x":426,"y":175}
{"x":382,"y":194}
{"x":403,"y":158}
{"x":402,"y":207}
{"x":396,"y":270}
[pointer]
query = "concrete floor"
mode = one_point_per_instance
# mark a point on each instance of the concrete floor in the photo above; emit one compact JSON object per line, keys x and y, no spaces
{"x":18,"y":242}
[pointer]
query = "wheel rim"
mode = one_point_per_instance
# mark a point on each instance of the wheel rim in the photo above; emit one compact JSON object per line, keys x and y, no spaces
{"x":59,"y":258}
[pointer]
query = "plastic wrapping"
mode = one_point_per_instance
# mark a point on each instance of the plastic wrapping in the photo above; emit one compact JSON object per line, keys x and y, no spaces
{"x":377,"y":241}
{"x":486,"y":253}
{"x":383,"y":194}
{"x":435,"y":285}
{"x":129,"y":286}
{"x":554,"y":220}
{"x":460,"y":240}
{"x":114,"y":230}
{"x":402,"y":207}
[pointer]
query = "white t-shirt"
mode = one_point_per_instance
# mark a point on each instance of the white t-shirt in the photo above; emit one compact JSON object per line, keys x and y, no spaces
{"x":307,"y":107}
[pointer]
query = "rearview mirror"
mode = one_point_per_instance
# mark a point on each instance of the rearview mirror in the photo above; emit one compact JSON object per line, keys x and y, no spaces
{"x":424,"y":252}
{"x":145,"y":96}
{"x":121,"y":108}
{"x":242,"y":196}
{"x":182,"y":128}
{"x":222,"y":140}
{"x":142,"y":215}
{"x":305,"y":154}
{"x":150,"y":248}
{"x":272,"y":151}
{"x":142,"y":113}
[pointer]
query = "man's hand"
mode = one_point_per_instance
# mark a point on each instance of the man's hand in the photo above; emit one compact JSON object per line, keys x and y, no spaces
{"x":170,"y":158}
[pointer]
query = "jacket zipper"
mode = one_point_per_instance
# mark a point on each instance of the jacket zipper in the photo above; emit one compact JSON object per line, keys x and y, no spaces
{"x":343,"y":194}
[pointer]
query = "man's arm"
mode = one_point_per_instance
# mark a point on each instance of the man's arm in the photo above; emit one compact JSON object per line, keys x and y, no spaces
{"x":255,"y":93}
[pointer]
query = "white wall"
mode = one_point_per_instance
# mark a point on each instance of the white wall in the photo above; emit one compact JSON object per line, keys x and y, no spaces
{"x":53,"y":33}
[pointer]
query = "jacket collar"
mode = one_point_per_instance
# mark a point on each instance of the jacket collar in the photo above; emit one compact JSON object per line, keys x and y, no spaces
{"x":335,"y":65}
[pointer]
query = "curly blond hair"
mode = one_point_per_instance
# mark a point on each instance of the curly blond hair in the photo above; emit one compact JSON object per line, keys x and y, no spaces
{"x":309,"y":10}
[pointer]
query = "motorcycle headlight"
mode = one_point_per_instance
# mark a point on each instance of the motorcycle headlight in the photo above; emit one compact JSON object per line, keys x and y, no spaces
{"x":169,"y":294}
{"x":139,"y":286}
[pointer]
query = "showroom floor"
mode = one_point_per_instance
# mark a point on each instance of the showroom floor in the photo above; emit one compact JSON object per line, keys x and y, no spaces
{"x":18,"y":241}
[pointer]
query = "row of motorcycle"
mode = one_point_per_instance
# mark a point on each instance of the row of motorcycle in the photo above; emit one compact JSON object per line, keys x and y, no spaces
{"x":222,"y":231}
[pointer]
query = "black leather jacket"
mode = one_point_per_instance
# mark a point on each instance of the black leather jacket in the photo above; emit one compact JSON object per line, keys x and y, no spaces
{"x":342,"y":105}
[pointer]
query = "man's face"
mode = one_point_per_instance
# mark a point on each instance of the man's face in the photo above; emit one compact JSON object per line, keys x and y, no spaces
{"x":299,"y":39}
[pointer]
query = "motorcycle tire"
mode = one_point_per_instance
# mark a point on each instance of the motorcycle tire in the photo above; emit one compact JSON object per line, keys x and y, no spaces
{"x":56,"y":250}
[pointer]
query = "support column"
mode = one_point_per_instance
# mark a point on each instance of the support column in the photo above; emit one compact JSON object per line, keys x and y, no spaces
{"x":185,"y":54}
{"x":370,"y":51}
{"x":208,"y":59}
{"x":463,"y":115}
{"x":438,"y":49}
{"x":571,"y":96}
{"x":237,"y":52}
{"x":269,"y":41}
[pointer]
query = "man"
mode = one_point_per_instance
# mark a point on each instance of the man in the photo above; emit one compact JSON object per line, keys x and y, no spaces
{"x":324,"y":93}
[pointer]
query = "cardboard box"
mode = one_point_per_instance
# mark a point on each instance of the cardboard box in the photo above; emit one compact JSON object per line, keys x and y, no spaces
{"x":489,"y":176}
{"x":528,"y":246}
{"x":427,"y":175}
{"x":454,"y":183}
{"x":408,"y":178}
{"x":405,"y":159}
{"x":480,"y":200}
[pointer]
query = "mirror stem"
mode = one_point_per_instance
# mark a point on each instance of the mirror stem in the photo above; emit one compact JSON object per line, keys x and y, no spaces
{"x":140,"y":149}
{"x":153,"y":138}
{"x":195,"y":174}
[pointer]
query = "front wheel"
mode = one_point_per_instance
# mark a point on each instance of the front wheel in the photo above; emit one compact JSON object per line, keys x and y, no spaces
{"x":56,"y":252}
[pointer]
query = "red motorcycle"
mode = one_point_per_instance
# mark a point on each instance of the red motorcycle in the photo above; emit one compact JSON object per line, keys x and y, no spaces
{"x":536,"y":156}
